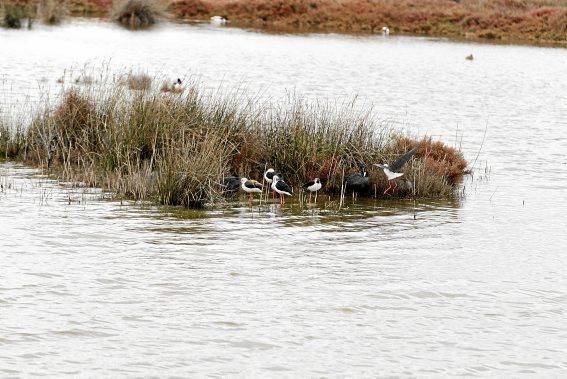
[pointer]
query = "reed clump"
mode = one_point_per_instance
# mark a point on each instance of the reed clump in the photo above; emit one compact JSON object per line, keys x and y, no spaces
{"x":138,"y":82}
{"x":12,"y":142}
{"x":52,"y":12}
{"x":15,"y":13}
{"x":137,"y":14}
{"x":176,"y":150}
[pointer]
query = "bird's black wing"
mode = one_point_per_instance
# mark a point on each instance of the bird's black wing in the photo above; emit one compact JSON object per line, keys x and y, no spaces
{"x":308,"y":184}
{"x":402,"y":160}
{"x":283,"y":186}
{"x":270,"y":175}
{"x":252,"y":184}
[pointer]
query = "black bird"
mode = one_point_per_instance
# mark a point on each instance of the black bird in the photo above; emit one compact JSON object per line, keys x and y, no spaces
{"x":282,"y":188}
{"x":393,"y":169}
{"x":357,"y":182}
{"x":231,"y":184}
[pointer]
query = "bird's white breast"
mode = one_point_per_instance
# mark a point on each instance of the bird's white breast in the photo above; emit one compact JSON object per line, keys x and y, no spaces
{"x":392,"y":175}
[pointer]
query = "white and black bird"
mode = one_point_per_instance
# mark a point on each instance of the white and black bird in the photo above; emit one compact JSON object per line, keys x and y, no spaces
{"x":385,"y":31}
{"x":177,"y":86}
{"x":357,"y":182}
{"x":313,"y":186}
{"x":218,"y":20}
{"x":393,"y":170}
{"x":282,"y":188}
{"x":251,"y":187}
{"x":269,"y":177}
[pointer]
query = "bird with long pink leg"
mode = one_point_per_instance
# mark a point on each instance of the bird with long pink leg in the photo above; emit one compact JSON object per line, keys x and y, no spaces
{"x":282,"y":188}
{"x":393,"y":170}
{"x":251,"y":187}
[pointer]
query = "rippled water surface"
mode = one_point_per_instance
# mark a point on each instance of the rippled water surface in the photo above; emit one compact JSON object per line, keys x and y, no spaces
{"x":477,"y":286}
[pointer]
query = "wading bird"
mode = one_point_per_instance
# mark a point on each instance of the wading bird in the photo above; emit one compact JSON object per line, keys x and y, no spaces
{"x":357,"y":182}
{"x":177,"y":86}
{"x":469,"y":57}
{"x":282,"y":188}
{"x":313,"y":186}
{"x":385,"y":31}
{"x":392,"y":170}
{"x":269,"y":178}
{"x":251,"y":187}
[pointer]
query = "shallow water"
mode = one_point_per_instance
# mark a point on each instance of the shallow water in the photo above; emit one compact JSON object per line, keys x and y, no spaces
{"x":472,"y":287}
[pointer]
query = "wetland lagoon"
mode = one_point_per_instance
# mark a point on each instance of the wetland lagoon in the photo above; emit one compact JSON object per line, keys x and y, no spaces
{"x":472,"y":284}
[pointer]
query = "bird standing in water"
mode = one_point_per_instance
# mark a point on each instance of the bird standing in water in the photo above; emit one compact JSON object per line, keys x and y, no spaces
{"x":313,"y":186}
{"x":282,"y":188}
{"x":251,"y":187}
{"x":269,"y":178}
{"x":393,"y":170}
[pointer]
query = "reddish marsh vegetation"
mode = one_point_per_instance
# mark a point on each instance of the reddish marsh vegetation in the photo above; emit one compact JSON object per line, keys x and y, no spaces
{"x":175,"y":149}
{"x":528,"y":20}
{"x":504,"y":20}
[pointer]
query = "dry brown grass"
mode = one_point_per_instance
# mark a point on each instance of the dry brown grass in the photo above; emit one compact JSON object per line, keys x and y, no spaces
{"x":138,"y":82}
{"x":177,"y":149}
{"x":52,"y":12}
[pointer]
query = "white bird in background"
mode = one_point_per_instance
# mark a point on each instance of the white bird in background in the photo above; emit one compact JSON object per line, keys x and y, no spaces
{"x":385,"y":31}
{"x":218,"y":20}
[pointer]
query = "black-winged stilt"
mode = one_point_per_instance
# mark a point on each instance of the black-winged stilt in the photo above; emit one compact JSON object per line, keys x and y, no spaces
{"x":385,"y":31}
{"x":251,"y":187}
{"x":269,"y":177}
{"x":392,"y":170}
{"x":282,"y":188}
{"x":313,"y":186}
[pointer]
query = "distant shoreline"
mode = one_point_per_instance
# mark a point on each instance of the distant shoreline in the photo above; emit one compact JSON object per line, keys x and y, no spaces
{"x":534,"y":22}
